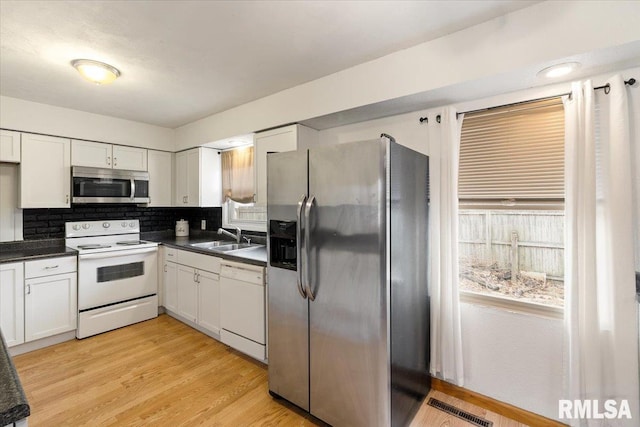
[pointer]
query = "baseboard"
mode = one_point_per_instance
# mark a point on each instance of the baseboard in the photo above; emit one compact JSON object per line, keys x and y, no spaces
{"x":42,"y":343}
{"x":490,"y":404}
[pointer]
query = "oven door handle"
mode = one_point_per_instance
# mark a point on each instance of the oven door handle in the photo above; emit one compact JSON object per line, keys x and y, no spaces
{"x":113,"y":254}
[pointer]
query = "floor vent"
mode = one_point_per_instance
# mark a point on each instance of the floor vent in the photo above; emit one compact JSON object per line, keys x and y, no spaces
{"x":470,"y":418}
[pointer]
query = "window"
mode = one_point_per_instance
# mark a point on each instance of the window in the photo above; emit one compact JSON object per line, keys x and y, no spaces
{"x":238,"y":209}
{"x":511,"y":190}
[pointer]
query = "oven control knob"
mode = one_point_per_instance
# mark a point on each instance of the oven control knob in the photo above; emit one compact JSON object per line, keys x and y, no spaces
{"x":106,"y":225}
{"x":86,"y":226}
{"x":76,"y":227}
{"x":124,"y":225}
{"x":132,"y":224}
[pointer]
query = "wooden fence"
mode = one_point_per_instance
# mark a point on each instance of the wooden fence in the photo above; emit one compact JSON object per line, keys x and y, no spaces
{"x":519,"y":240}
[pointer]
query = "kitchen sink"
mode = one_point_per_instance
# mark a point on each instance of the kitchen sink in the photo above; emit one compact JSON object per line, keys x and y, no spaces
{"x":231,"y":247}
{"x":209,"y":245}
{"x":223,"y":246}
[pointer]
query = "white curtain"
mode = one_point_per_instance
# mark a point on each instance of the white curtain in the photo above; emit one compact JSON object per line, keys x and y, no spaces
{"x":444,"y":150}
{"x":601,"y":327}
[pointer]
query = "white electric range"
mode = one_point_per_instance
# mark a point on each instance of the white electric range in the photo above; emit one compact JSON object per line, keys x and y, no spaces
{"x":117,"y":274}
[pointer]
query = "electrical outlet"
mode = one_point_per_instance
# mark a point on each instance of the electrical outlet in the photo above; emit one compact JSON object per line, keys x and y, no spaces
{"x":203,"y":224}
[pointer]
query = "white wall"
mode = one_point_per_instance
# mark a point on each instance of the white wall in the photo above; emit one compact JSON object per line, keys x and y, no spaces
{"x":27,"y":116}
{"x":538,"y":34}
{"x":512,"y":357}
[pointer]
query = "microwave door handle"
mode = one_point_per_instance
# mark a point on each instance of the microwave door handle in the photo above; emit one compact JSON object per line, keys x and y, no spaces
{"x":133,"y":188}
{"x":307,"y":246}
{"x":299,"y":240}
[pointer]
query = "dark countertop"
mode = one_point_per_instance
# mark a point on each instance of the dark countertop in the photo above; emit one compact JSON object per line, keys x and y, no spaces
{"x":168,"y":238}
{"x":13,"y":402}
{"x":33,"y":249}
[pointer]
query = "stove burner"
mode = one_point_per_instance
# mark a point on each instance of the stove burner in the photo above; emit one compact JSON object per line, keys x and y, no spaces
{"x":130,"y":242}
{"x":95,"y":246}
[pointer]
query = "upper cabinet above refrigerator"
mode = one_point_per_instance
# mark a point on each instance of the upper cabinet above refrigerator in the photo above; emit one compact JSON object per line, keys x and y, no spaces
{"x":288,"y":138}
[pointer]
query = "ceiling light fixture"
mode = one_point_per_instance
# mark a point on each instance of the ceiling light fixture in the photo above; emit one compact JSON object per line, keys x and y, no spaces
{"x":95,"y":71}
{"x":558,"y":70}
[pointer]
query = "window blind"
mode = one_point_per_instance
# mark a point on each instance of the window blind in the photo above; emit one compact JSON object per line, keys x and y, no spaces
{"x":513,"y":153}
{"x":237,"y":175}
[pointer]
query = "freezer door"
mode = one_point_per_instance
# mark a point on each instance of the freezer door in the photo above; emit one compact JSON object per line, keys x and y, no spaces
{"x":288,"y":310}
{"x":348,"y":315}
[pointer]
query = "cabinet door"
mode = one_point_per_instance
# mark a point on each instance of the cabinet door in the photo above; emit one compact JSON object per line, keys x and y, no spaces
{"x":193,"y":178}
{"x":91,"y":154}
{"x":50,"y":306}
{"x":9,"y":146}
{"x":209,"y":301}
{"x":45,"y":172}
{"x":273,"y":141}
{"x":187,"y":293}
{"x":12,"y":303}
{"x":160,"y":178}
{"x":182,"y":182}
{"x":129,"y":158}
{"x":170,"y":291}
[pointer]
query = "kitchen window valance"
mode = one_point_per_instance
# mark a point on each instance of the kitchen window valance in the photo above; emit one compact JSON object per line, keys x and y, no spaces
{"x":237,"y":175}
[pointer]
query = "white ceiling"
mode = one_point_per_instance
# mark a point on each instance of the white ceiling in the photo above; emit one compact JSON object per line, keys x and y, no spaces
{"x":184,"y":60}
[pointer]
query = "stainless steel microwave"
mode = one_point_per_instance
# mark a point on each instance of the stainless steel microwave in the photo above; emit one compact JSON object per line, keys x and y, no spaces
{"x":95,"y":185}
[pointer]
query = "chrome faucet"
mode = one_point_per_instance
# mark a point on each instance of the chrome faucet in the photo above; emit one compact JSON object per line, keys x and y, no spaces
{"x":237,"y":236}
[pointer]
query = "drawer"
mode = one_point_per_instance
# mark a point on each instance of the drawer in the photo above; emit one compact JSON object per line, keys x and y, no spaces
{"x":199,"y":261}
{"x":242,"y":272}
{"x":170,"y":254}
{"x":50,"y":266}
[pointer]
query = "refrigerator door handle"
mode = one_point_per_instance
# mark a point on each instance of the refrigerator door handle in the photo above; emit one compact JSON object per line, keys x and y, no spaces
{"x":299,"y":244}
{"x":307,"y":246}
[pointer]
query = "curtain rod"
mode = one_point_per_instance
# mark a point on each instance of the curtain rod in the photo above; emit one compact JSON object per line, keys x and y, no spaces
{"x":607,"y":89}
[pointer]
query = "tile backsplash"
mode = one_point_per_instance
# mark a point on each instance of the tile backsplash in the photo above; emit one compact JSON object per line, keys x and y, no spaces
{"x":49,"y":223}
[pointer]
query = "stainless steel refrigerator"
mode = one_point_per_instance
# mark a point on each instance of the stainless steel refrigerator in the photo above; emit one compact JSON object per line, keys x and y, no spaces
{"x":348,"y":318}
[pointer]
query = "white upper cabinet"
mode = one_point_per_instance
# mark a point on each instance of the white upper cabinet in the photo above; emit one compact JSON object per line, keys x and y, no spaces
{"x":286,"y":138}
{"x":100,"y":155}
{"x":45,"y":172}
{"x":9,"y":146}
{"x":92,"y":154}
{"x":198,"y":178}
{"x":160,"y":165}
{"x":129,"y":158}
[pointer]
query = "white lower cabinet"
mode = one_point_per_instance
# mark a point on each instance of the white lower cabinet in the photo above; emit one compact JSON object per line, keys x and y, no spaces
{"x":187,"y":293}
{"x":38,"y":299}
{"x":170,"y":289}
{"x":209,"y":301}
{"x":50,"y":306}
{"x":12,"y":302}
{"x":192,"y":288}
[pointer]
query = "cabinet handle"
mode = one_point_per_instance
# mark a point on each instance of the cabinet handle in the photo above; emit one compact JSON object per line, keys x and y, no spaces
{"x":165,"y":268}
{"x":109,"y":160}
{"x":115,"y":161}
{"x":51,"y":267}
{"x":195,"y":275}
{"x":66,"y":200}
{"x":28,"y":289}
{"x":198,"y":278}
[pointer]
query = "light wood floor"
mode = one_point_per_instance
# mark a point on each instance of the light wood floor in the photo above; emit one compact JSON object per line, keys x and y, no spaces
{"x":162,"y":372}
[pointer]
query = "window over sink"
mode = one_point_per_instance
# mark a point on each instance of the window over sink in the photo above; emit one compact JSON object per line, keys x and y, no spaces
{"x":238,"y":188}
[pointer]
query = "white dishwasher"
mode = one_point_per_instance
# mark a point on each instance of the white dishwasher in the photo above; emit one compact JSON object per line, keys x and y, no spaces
{"x":242,"y":312}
